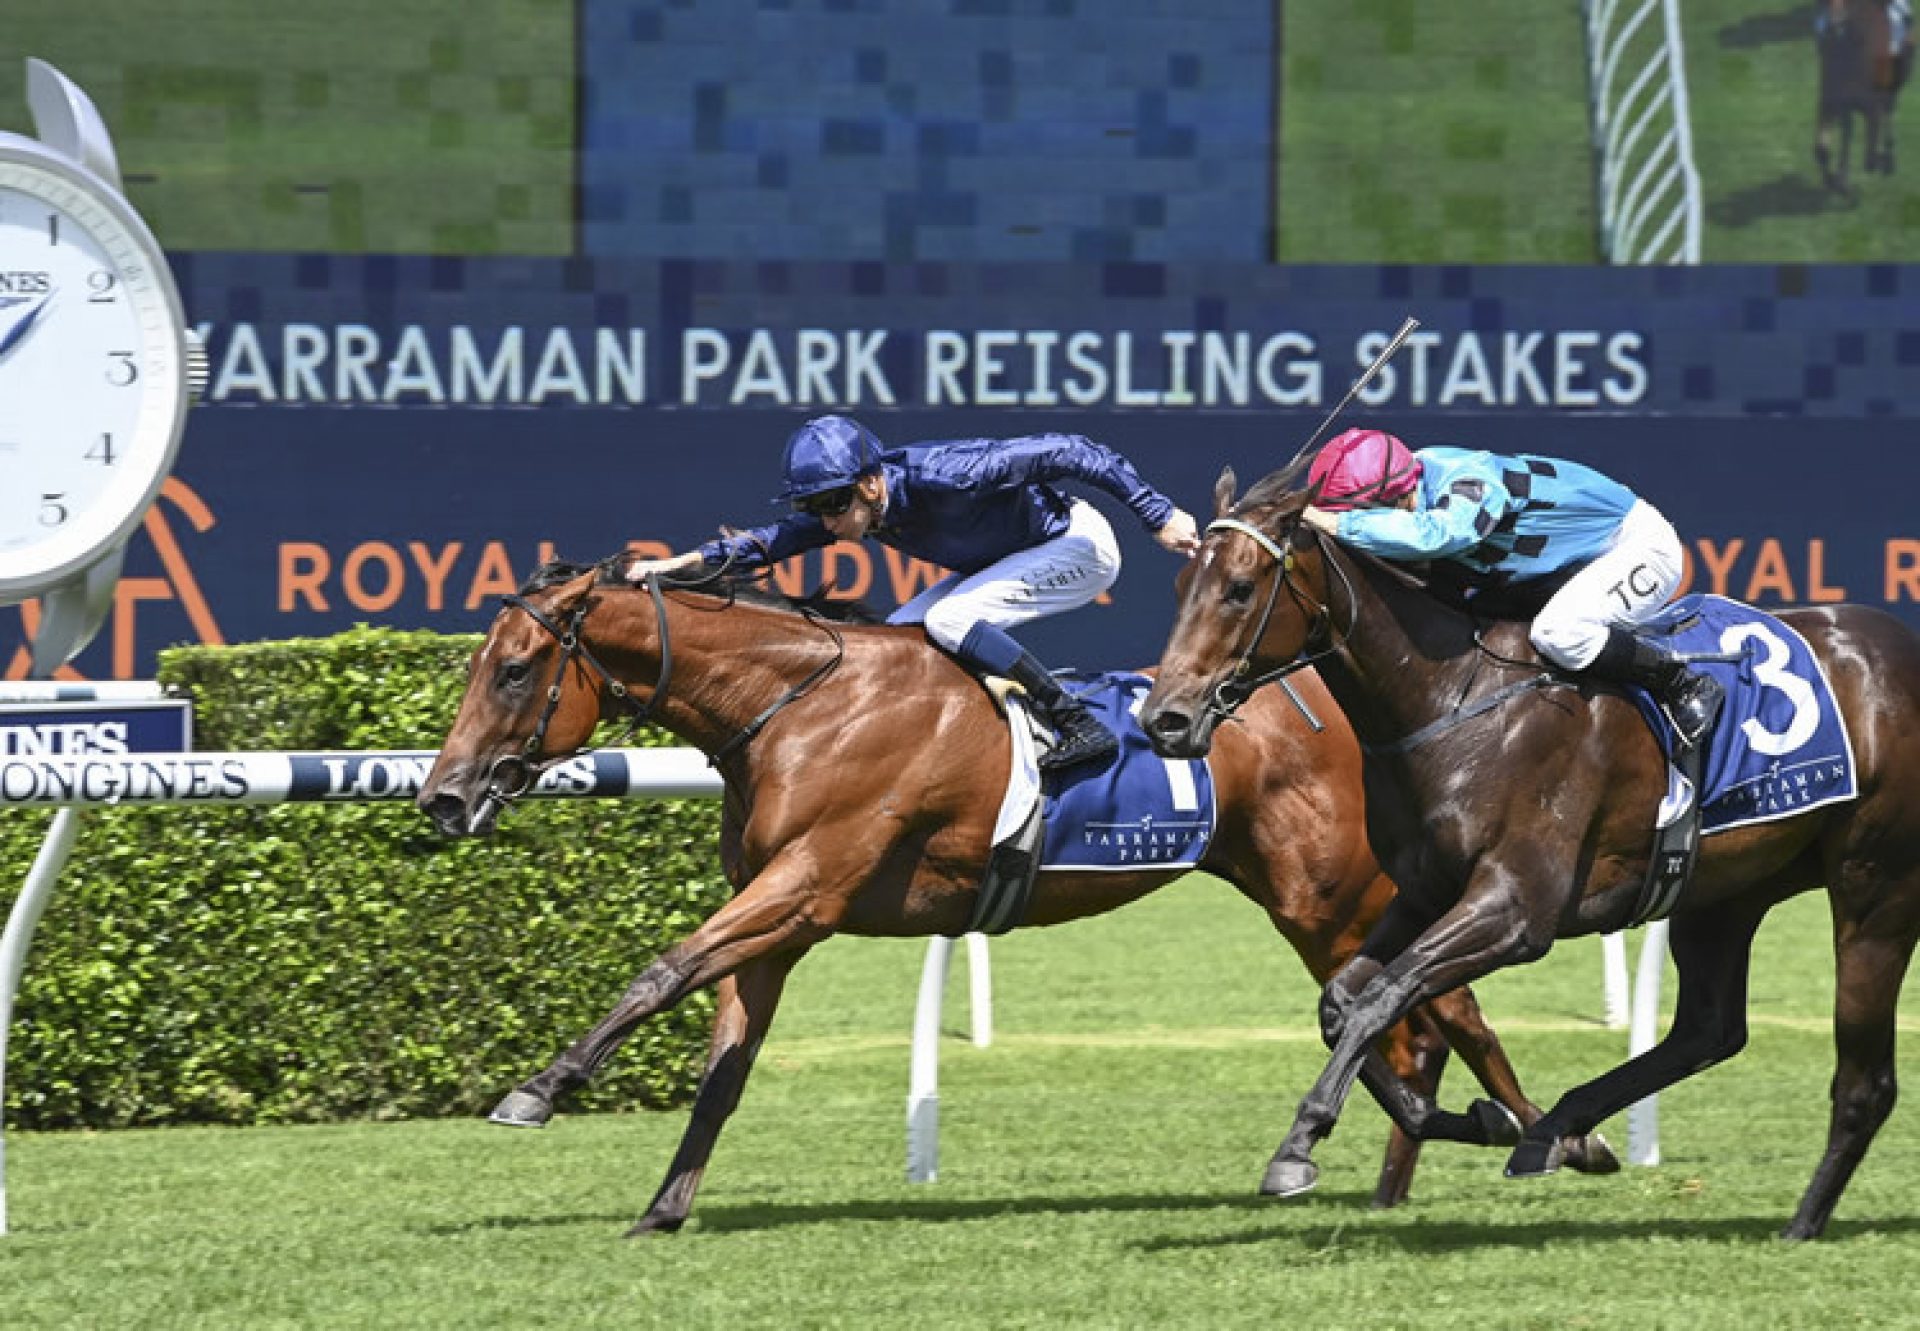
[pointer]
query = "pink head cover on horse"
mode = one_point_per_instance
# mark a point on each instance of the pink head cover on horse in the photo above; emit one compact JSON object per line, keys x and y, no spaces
{"x":1362,"y":468}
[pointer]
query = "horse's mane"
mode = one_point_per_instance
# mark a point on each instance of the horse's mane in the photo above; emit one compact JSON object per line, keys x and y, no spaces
{"x":747,"y":589}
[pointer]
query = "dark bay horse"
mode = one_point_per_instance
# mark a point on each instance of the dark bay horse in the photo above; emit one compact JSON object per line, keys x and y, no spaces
{"x":1510,"y":817}
{"x":863,"y":773}
{"x":1860,"y":75}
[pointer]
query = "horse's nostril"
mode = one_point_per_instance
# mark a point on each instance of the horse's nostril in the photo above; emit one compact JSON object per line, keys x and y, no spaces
{"x":447,"y":810}
{"x":1168,"y":723}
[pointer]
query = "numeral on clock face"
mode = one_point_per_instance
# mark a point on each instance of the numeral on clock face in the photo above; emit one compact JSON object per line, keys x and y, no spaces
{"x":52,"y":511}
{"x":102,"y":452}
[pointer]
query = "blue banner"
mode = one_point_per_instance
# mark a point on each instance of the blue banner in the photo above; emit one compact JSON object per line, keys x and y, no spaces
{"x":400,"y":441}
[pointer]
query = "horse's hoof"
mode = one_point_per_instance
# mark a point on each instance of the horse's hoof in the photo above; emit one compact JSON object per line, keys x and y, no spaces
{"x":1590,"y":1155}
{"x":521,"y":1109}
{"x":1289,"y":1178}
{"x":655,"y":1224}
{"x":1533,"y":1158}
{"x":1495,"y":1123}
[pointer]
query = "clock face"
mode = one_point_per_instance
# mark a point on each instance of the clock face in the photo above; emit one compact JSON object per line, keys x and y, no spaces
{"x":91,"y":368}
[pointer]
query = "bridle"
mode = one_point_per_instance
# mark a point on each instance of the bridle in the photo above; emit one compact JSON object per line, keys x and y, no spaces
{"x":522,"y":765}
{"x":1233,"y":691}
{"x":572,"y":644}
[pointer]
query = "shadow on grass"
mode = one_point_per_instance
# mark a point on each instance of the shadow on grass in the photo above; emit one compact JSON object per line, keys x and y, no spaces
{"x":1792,"y":24}
{"x":1784,"y":196}
{"x":1456,"y":1237}
{"x":750,"y":1216}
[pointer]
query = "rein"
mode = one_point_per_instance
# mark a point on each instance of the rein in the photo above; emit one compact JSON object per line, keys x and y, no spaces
{"x":572,"y":645}
{"x":1233,"y":691}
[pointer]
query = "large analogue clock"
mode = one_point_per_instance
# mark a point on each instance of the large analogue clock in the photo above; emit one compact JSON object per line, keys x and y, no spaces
{"x":92,"y":368}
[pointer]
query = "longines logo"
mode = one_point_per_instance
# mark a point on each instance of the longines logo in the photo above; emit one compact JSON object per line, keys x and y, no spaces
{"x":24,"y":283}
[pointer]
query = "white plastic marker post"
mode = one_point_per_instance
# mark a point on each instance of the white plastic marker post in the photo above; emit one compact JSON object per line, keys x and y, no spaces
{"x":923,"y":1070}
{"x":1638,"y":1014}
{"x":1613,"y":963}
{"x":1643,"y":1116}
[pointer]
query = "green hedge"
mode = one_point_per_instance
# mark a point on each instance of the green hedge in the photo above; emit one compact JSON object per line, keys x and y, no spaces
{"x":298,"y":963}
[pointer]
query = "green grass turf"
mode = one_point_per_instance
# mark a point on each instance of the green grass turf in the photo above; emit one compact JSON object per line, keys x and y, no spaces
{"x":1434,"y":133}
{"x":1098,"y":1169}
{"x":399,"y":126}
{"x":1754,"y":75}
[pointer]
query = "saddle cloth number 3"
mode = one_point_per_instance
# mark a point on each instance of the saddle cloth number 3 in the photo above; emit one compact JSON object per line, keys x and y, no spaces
{"x":1773,"y":672}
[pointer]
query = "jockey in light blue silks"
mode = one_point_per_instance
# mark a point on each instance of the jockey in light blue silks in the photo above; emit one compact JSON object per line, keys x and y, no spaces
{"x":989,"y":510}
{"x":1521,"y":518}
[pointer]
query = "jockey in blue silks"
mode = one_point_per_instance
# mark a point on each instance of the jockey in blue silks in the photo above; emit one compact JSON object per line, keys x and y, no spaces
{"x":1518,"y":519}
{"x":988,"y":509}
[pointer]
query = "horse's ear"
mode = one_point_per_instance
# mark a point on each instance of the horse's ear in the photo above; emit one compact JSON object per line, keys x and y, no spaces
{"x":1223,"y":492}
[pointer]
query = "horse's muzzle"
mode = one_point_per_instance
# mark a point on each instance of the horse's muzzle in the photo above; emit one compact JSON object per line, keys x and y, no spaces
{"x":1175,"y":734}
{"x":452,"y":815}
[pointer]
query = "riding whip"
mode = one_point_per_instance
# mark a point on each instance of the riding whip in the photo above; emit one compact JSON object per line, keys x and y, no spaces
{"x":1386,"y":354}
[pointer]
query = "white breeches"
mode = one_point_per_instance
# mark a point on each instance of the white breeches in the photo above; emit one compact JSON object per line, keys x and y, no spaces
{"x":1061,"y":574}
{"x":1627,"y":584}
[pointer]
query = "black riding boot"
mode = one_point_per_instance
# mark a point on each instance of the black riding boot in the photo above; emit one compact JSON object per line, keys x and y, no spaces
{"x":1692,"y":698}
{"x":1081,"y":738}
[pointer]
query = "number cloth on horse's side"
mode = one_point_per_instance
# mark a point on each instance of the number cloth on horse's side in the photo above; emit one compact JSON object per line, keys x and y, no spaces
{"x":1139,"y":810}
{"x":1781,"y":746}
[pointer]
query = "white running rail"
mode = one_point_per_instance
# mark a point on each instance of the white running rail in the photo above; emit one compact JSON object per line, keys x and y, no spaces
{"x":1648,"y":187}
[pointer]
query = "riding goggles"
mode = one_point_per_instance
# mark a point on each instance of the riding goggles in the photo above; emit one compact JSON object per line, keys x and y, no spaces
{"x":826,"y":504}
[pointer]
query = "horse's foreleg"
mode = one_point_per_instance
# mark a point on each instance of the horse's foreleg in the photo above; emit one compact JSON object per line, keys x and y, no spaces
{"x":1711,"y":950}
{"x":775,"y":913}
{"x":1396,"y":929}
{"x":1484,"y":930}
{"x":1872,"y":957}
{"x":1465,"y":1027}
{"x":745,"y":1003}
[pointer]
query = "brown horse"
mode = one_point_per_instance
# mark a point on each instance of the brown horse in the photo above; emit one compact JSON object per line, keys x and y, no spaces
{"x":1512,"y":815}
{"x":1860,"y":75}
{"x":863,"y":773}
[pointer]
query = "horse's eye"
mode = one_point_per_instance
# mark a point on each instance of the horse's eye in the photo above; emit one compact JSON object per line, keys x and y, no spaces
{"x":514,"y":672}
{"x":1240,"y":591}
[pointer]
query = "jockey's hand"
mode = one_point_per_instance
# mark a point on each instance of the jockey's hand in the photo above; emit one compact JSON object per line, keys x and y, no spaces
{"x":640,"y":568}
{"x":1321,"y":520}
{"x":1179,"y":534}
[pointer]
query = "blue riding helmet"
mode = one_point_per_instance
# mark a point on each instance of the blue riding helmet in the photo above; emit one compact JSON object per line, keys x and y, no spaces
{"x":826,"y":454}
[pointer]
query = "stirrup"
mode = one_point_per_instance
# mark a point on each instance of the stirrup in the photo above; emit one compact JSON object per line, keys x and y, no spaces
{"x":1694,"y":708}
{"x":1082,"y":741}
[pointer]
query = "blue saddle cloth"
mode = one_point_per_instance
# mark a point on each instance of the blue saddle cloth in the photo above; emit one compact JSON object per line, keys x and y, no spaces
{"x":1139,"y":810}
{"x":1780,"y":746}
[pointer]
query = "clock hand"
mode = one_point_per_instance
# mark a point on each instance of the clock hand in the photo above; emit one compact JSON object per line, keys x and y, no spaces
{"x":24,"y":324}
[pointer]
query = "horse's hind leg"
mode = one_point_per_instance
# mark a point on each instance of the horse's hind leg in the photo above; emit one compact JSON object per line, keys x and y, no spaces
{"x":1872,"y":953}
{"x":745,"y":1005}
